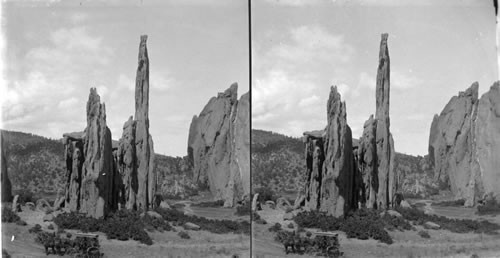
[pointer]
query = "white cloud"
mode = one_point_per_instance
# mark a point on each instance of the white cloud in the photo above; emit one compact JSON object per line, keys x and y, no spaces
{"x":55,"y":73}
{"x":313,"y":43}
{"x":367,"y":81}
{"x":309,"y":101}
{"x":403,"y":81}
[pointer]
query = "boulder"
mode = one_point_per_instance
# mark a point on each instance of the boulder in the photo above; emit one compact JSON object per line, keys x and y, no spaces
{"x":254,"y":202}
{"x":30,"y":205}
{"x":48,"y":217}
{"x":191,"y":226}
{"x":218,"y":146}
{"x":391,"y":213}
{"x":42,"y":205}
{"x":405,"y":204}
{"x":270,"y":204}
{"x":59,"y":203}
{"x":288,"y":216}
{"x":431,"y":225}
{"x":16,"y":206}
{"x":283,"y":204}
{"x":164,"y":205}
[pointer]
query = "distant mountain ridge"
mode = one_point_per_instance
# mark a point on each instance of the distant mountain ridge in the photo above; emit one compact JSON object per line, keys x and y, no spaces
{"x":37,"y":164}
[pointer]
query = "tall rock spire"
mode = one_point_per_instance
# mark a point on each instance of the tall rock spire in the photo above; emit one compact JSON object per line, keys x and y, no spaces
{"x":143,"y":141}
{"x":376,"y":150}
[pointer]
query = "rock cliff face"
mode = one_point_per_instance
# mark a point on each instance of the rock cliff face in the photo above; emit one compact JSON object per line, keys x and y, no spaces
{"x":330,"y":162}
{"x":464,"y":144}
{"x":218,"y":146}
{"x":376,"y":152}
{"x":73,"y":153}
{"x":487,"y":131}
{"x":6,"y":184}
{"x":451,"y":142}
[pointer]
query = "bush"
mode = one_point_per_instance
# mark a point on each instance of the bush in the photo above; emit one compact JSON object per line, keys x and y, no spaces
{"x":308,"y":234}
{"x":265,"y":194}
{"x":361,"y":224}
{"x":9,"y":216}
{"x":21,"y":223}
{"x":215,"y":204}
{"x":424,"y":234}
{"x":243,"y":210}
{"x":25,"y":195}
{"x":490,"y":206}
{"x":290,"y":225}
{"x":35,"y":229}
{"x":453,"y":225}
{"x":122,"y":225}
{"x":184,"y":235}
{"x":51,"y":227}
{"x":211,"y":225}
{"x":275,"y":228}
{"x":453,"y":203}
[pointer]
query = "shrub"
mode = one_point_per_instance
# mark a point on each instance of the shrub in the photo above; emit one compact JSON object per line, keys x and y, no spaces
{"x":215,"y":204}
{"x":275,"y":228}
{"x":184,"y":235}
{"x":9,"y":216}
{"x":290,"y":225}
{"x":25,"y":195}
{"x":51,"y":227}
{"x":453,"y":203}
{"x":453,"y":225}
{"x":361,"y":224}
{"x":265,"y":194}
{"x":211,"y":225}
{"x":424,"y":234}
{"x":308,"y":234}
{"x":21,"y":223}
{"x":490,"y":206}
{"x":243,"y":210}
{"x":35,"y":229}
{"x":122,"y":225}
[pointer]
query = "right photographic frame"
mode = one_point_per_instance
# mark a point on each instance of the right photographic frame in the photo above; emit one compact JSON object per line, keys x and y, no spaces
{"x":375,"y":128}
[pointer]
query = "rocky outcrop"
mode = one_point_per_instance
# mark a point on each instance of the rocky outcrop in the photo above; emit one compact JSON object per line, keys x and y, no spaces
{"x":376,"y":151}
{"x":96,"y":191}
{"x":6,"y":184}
{"x":73,"y":153}
{"x":218,"y":146}
{"x":451,"y":142}
{"x":330,"y":162}
{"x":487,"y":133}
{"x":464,"y":144}
{"x":136,"y":186}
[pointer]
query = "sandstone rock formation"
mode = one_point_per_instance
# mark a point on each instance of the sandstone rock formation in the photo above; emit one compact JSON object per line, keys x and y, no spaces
{"x":464,"y":143}
{"x":73,"y":153}
{"x":6,"y":184}
{"x":96,"y":190}
{"x":218,"y":146}
{"x":376,"y":151}
{"x":487,"y":132}
{"x":330,"y":162}
{"x":136,"y":185}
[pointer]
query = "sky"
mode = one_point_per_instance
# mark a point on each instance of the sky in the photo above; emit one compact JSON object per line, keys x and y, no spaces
{"x":53,"y":52}
{"x":300,"y":48}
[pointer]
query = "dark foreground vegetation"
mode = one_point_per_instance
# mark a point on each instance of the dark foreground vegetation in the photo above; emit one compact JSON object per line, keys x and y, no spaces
{"x":211,"y":225}
{"x":453,"y":225}
{"x":122,"y":225}
{"x":489,"y":207}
